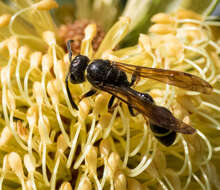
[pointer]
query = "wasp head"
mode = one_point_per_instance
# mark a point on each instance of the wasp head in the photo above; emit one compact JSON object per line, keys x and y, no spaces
{"x":77,"y":69}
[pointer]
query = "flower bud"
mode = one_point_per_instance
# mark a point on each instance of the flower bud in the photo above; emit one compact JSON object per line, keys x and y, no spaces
{"x":4,"y":20}
{"x":145,"y":42}
{"x":101,"y":103}
{"x":61,"y":143}
{"x":65,"y":186}
{"x":38,"y":92}
{"x":22,"y":131}
{"x":44,"y":129}
{"x":15,"y":164}
{"x":46,"y":5}
{"x":120,"y":182}
{"x":114,"y":163}
{"x":46,"y":63}
{"x":133,"y":184}
{"x":105,"y":148}
{"x":35,"y":59}
{"x":104,"y":120}
{"x":32,"y":116}
{"x":13,"y":46}
{"x":163,"y":18}
{"x":49,"y":38}
{"x":162,"y":29}
{"x":187,"y":14}
{"x":30,"y":163}
{"x":52,"y":91}
{"x":10,"y":101}
{"x":91,"y":160}
{"x":85,"y":184}
{"x":84,"y":107}
{"x":23,"y":52}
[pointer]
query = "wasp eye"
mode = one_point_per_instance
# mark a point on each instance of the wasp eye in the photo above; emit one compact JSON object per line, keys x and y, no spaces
{"x":72,"y":78}
{"x":77,"y":77}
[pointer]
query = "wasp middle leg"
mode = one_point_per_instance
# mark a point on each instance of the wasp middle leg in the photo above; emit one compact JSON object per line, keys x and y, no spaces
{"x":134,"y":79}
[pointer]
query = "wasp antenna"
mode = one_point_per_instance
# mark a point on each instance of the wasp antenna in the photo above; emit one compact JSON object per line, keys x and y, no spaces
{"x":69,"y":94}
{"x":68,"y":44}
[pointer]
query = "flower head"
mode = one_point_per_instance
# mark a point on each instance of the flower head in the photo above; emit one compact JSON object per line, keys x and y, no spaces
{"x":47,"y":144}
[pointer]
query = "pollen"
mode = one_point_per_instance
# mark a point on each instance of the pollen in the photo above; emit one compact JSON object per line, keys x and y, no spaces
{"x":46,"y":5}
{"x":4,"y":20}
{"x":75,"y":31}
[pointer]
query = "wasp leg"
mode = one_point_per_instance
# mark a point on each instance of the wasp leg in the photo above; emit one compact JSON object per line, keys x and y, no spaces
{"x":131,"y":110}
{"x":69,"y":49}
{"x":69,"y":94}
{"x":111,"y":101}
{"x":144,"y":97}
{"x":133,"y":79}
{"x":88,"y":94}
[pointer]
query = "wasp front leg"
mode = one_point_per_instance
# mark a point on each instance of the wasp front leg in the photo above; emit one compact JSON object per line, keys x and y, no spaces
{"x":89,"y":93}
{"x":69,"y":93}
{"x":67,"y":77}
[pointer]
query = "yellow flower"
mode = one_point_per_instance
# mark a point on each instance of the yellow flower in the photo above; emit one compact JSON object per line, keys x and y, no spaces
{"x":46,"y":144}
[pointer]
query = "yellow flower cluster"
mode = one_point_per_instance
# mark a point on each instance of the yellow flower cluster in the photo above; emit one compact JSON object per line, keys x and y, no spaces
{"x":46,"y":144}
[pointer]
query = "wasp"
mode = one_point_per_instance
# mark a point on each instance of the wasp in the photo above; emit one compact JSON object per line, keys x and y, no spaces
{"x":110,"y":76}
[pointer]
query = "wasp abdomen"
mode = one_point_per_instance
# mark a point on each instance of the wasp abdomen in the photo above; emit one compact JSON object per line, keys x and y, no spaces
{"x":165,"y":136}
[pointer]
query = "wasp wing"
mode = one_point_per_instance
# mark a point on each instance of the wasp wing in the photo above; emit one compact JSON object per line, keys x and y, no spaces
{"x":172,"y":77}
{"x":157,"y":114}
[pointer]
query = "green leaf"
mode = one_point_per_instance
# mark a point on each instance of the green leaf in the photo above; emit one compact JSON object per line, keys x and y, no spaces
{"x":203,"y":7}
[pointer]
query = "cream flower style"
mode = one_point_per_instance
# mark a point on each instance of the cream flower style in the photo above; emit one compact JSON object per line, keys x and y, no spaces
{"x":47,"y":144}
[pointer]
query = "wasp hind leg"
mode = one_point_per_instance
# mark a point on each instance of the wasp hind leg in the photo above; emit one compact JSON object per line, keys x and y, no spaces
{"x":145,"y":97}
{"x":134,"y":79}
{"x":131,"y":110}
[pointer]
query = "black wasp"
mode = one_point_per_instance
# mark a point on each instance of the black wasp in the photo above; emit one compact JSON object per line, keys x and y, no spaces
{"x":110,"y":76}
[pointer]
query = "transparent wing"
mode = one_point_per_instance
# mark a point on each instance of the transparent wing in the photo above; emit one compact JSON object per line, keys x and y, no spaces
{"x":158,"y":115}
{"x":175,"y":78}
